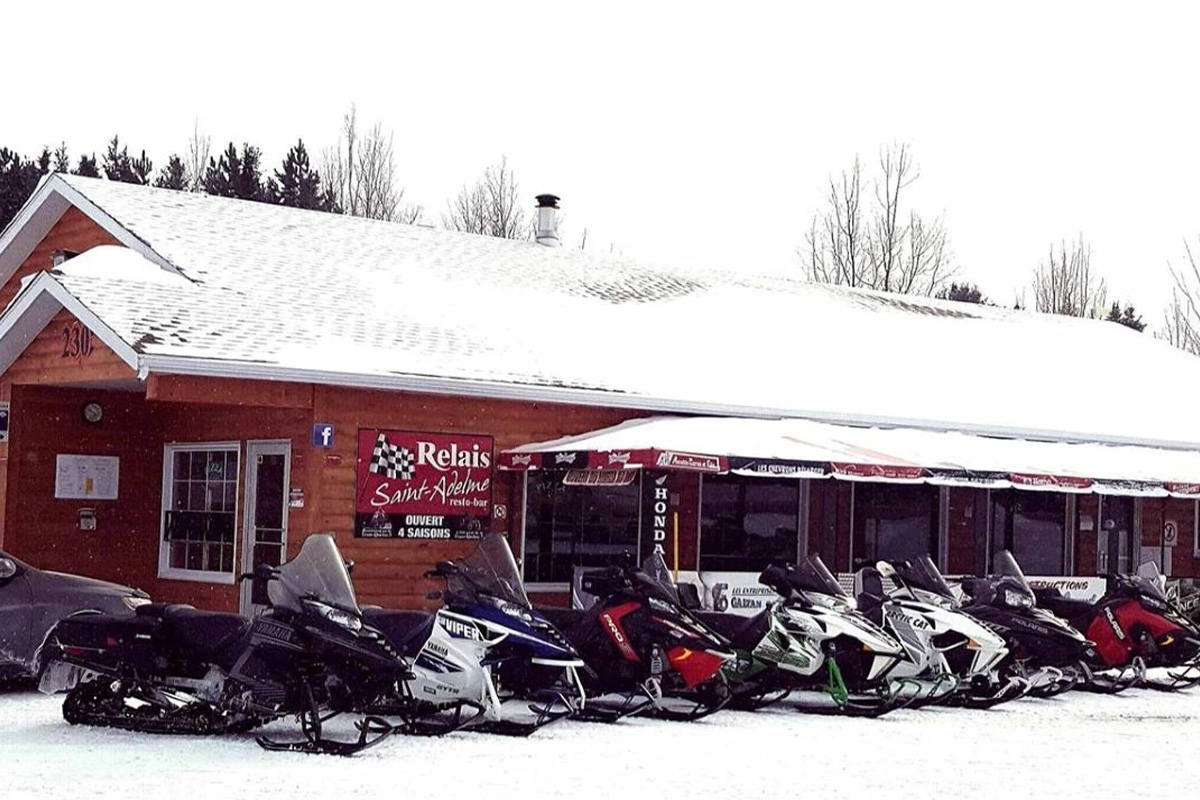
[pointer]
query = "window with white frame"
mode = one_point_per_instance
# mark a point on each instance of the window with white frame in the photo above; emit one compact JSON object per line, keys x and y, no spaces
{"x":199,"y":513}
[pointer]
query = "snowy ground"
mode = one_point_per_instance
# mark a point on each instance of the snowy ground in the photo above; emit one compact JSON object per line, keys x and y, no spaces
{"x":1138,"y":744}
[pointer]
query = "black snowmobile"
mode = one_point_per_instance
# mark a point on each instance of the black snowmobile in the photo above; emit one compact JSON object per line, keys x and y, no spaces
{"x":176,"y":669}
{"x":1044,"y":649}
{"x":645,"y":652}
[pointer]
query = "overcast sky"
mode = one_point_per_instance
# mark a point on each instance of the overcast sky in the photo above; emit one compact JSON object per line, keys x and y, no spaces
{"x":677,"y":133}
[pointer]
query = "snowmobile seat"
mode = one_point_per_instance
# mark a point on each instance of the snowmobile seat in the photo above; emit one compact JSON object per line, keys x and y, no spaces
{"x":1054,"y":600}
{"x":868,"y":585}
{"x":407,"y":631}
{"x":689,"y":596}
{"x":205,"y":633}
{"x":744,"y":632}
{"x":154,"y":610}
{"x":566,"y":619}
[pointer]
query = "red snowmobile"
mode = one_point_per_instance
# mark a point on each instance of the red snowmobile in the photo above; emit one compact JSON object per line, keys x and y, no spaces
{"x":1135,"y":626}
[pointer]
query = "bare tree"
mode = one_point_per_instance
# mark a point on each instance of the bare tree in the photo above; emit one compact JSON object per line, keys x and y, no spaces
{"x":491,"y":207}
{"x":1066,"y":283}
{"x":361,"y":171}
{"x":1181,"y":321}
{"x":198,"y":150}
{"x":882,"y":246}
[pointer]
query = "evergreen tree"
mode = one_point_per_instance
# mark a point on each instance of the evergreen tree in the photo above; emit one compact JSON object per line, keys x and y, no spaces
{"x":18,"y":178}
{"x":44,"y":161}
{"x":1126,"y":316}
{"x":62,"y":161}
{"x":235,"y":175}
{"x":173,"y":175}
{"x":87,"y":167}
{"x":298,"y":185}
{"x":963,"y":293}
{"x":119,"y":166}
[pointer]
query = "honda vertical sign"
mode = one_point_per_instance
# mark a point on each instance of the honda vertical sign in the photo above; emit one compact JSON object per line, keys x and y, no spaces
{"x":658,"y":534}
{"x":422,"y":485}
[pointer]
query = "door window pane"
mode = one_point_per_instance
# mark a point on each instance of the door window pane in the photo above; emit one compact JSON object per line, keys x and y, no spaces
{"x":747,"y":523}
{"x":894,"y":522}
{"x":1032,"y":525}
{"x":577,"y":526}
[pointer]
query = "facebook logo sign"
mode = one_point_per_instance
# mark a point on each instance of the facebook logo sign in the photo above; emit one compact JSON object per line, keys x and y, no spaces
{"x":322,"y":435}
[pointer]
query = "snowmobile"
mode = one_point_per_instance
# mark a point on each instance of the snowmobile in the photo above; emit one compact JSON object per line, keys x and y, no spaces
{"x":531,"y":671}
{"x":954,"y":655}
{"x":1044,"y":649}
{"x":176,"y":669}
{"x":812,"y":638}
{"x":1134,"y":627}
{"x":645,"y":652}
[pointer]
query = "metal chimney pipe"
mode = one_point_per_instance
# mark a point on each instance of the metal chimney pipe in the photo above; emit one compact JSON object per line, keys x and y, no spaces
{"x":547,"y":220}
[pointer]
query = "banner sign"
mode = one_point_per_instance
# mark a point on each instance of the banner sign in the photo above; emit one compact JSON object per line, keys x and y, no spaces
{"x":422,"y":485}
{"x":658,"y":511}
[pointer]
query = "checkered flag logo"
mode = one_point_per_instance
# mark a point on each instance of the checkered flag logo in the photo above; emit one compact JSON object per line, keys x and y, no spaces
{"x":392,"y":461}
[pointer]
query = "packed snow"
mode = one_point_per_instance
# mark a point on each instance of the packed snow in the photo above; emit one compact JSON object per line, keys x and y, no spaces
{"x":1136,"y":744}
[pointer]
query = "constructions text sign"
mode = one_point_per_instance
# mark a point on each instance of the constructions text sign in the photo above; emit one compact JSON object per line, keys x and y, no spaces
{"x":422,"y":485}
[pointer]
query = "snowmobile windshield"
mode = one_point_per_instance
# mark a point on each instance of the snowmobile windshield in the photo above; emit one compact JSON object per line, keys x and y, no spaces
{"x":1007,"y":567}
{"x":811,"y":575}
{"x":490,"y":570}
{"x":317,"y":573}
{"x":656,"y":579}
{"x":1149,"y":581}
{"x":924,"y":574}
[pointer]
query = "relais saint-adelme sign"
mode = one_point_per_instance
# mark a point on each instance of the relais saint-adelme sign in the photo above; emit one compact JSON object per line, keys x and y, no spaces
{"x":415,"y":485}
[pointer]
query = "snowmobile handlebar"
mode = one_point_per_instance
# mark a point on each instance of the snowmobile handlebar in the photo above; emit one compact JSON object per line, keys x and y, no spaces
{"x":443,"y":569}
{"x":264,"y":571}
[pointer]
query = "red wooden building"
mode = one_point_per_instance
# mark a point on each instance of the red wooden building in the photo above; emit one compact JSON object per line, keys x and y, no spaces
{"x":196,"y":383}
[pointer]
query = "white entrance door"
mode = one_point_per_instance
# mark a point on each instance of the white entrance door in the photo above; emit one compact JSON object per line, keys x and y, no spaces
{"x":264,"y":528}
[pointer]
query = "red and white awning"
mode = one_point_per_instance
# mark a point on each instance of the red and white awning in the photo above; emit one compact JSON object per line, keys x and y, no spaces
{"x":793,"y":448}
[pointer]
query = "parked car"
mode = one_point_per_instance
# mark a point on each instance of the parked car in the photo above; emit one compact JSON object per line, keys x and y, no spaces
{"x":33,"y":600}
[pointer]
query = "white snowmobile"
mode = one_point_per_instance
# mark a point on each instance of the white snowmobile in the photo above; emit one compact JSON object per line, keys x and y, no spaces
{"x":955,"y":659}
{"x":812,"y":638}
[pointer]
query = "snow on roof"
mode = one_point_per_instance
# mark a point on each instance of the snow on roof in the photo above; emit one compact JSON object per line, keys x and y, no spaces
{"x":298,"y":294}
{"x":951,"y":458}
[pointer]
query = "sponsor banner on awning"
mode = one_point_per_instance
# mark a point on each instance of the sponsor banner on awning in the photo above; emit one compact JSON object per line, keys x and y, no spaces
{"x":599,"y":477}
{"x":968,"y":479}
{"x":690,"y":462}
{"x":881,"y":473}
{"x":1051,"y":483}
{"x":762,"y":468}
{"x":1129,"y":488}
{"x":1187,"y":491}
{"x":414,"y":485}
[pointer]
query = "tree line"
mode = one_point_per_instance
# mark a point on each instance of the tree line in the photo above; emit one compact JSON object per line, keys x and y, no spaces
{"x":355,"y":176}
{"x":866,"y":234}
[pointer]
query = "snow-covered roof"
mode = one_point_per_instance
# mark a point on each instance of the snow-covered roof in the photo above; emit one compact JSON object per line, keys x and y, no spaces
{"x":807,"y":449}
{"x":256,"y":290}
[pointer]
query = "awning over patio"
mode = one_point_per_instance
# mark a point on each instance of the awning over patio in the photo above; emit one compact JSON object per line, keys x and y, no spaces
{"x":794,"y":448}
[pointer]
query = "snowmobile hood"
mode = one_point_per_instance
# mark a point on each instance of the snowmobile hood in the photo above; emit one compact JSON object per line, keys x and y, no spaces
{"x":849,"y":623}
{"x":949,"y":619}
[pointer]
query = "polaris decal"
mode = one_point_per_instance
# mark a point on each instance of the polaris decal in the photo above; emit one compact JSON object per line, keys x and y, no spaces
{"x":1112,"y":620}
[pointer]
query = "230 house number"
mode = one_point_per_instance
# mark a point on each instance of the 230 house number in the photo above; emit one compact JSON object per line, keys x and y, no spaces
{"x":77,"y":341}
